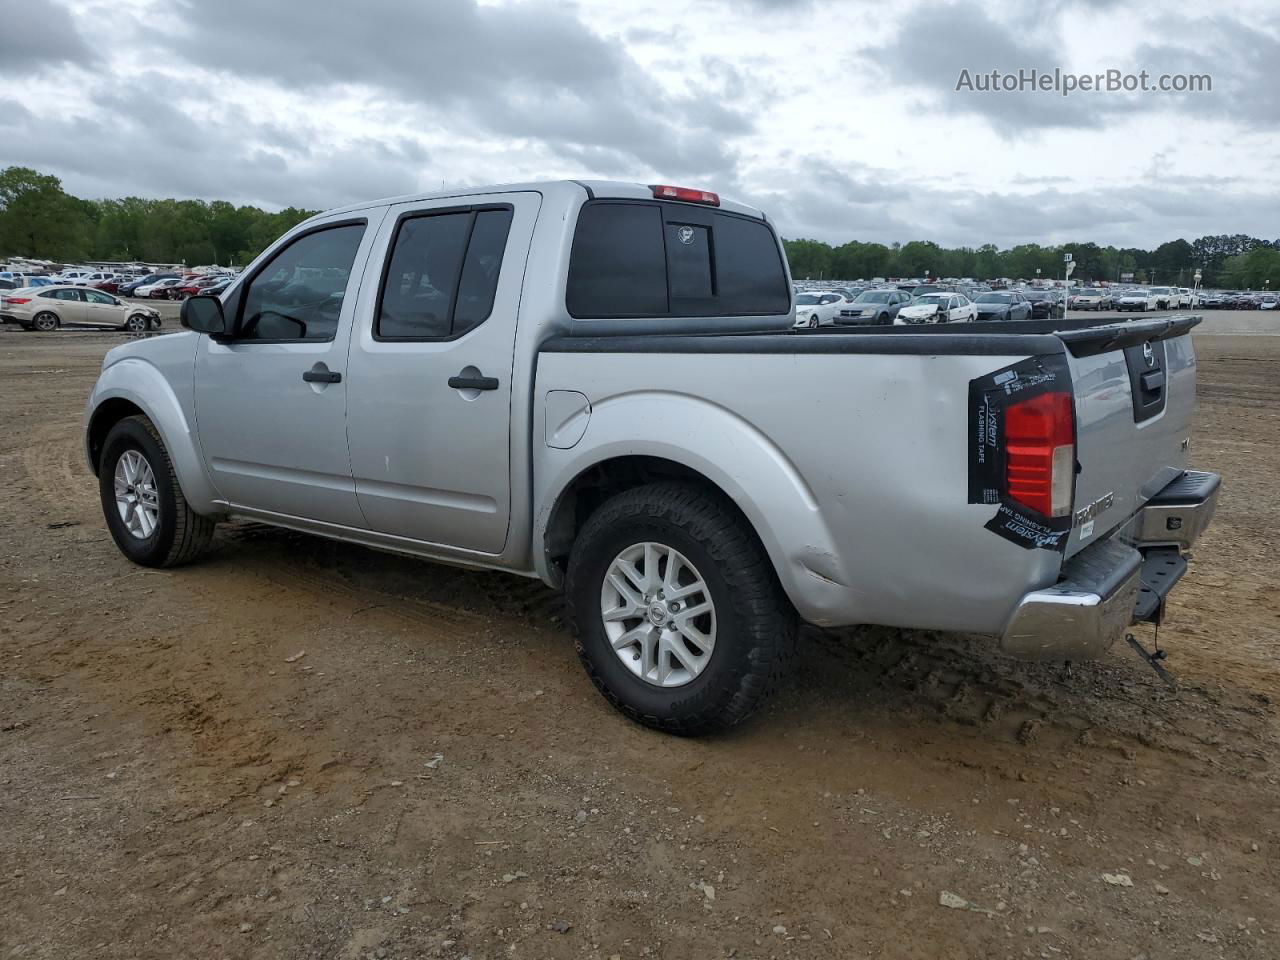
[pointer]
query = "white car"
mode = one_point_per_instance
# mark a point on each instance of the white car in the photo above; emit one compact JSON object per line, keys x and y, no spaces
{"x":148,"y":289}
{"x":89,"y":279}
{"x":48,"y":308}
{"x":817,"y":308}
{"x":1141,"y":300}
{"x":1167,"y":298}
{"x":1188,"y":299}
{"x":937,"y":308}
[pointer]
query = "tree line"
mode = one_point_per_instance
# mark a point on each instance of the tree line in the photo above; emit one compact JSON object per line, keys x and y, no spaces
{"x":39,"y":219}
{"x":1225,"y":260}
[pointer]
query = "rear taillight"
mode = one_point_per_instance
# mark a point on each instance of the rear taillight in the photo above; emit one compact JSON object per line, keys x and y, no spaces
{"x":12,"y":300}
{"x":687,"y":194}
{"x":1040,"y":453}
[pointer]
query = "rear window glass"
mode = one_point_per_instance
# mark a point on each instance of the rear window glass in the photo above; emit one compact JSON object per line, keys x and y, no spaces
{"x":618,"y":267}
{"x":668,"y":260}
{"x":689,"y":261}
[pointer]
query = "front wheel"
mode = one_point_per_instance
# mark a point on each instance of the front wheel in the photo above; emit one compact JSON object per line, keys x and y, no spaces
{"x":137,"y":324}
{"x":146,"y":512}
{"x":679,"y":619}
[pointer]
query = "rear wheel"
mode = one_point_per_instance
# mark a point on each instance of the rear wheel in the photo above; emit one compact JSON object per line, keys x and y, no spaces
{"x":45,"y":322}
{"x":679,"y":619}
{"x":146,"y":512}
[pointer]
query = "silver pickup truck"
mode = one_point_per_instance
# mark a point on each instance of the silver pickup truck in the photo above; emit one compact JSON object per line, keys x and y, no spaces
{"x":597,"y":384}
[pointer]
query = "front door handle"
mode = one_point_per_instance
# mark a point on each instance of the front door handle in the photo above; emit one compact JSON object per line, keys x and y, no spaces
{"x":321,"y":374}
{"x":473,"y":383}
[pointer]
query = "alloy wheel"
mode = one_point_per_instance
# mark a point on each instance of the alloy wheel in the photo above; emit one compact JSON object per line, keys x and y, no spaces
{"x":136,"y":497}
{"x":658,"y":614}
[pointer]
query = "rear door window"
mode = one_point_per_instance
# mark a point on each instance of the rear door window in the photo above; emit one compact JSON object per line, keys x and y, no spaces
{"x":442,"y":274}
{"x":646,"y":260}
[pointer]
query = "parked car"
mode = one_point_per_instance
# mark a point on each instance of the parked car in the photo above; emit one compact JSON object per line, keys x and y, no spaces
{"x":109,"y":286}
{"x":1003,"y":305}
{"x":130,"y":289}
{"x":48,"y":308}
{"x":937,"y":308}
{"x":873,"y":307}
{"x":1212,"y":301}
{"x":608,"y":430}
{"x":216,"y":289}
{"x":193,"y":287}
{"x":1188,"y":299}
{"x":818,"y":309}
{"x":91,"y":279}
{"x":1046,"y":304}
{"x":1268,"y":301}
{"x":159,"y":290}
{"x":20,"y":280}
{"x":1140,"y":300}
{"x":1091,"y":298}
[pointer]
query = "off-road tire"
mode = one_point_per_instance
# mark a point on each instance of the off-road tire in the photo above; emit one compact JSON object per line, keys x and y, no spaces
{"x":181,"y":534}
{"x":756,"y":624}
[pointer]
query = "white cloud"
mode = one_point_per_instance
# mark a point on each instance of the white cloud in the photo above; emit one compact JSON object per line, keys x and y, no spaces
{"x":840,"y":118}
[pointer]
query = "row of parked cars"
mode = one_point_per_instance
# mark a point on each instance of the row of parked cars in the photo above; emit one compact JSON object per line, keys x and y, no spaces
{"x":906,"y":304}
{"x":154,"y":286}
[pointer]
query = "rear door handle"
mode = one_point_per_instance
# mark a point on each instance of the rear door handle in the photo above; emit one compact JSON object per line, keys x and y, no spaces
{"x":473,"y":383}
{"x":321,"y":374}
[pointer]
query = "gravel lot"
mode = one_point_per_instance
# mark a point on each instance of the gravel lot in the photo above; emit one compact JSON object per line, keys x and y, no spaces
{"x":303,"y":749}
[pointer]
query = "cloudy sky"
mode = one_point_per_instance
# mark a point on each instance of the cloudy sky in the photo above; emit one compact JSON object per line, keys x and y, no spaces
{"x":839,"y":117}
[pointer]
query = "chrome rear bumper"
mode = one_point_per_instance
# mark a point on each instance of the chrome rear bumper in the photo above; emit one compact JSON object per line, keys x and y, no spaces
{"x":1093,"y":602}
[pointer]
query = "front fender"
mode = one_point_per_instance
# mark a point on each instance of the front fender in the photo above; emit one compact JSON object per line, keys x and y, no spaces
{"x":731,"y":453}
{"x":141,"y":384}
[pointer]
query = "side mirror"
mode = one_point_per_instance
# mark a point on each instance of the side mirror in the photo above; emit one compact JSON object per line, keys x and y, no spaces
{"x":204,"y":315}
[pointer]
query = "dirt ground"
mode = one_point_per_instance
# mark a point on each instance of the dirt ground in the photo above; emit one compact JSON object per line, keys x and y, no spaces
{"x":302,"y":749}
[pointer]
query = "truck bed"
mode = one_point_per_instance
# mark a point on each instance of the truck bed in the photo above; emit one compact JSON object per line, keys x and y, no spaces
{"x":861,"y":439}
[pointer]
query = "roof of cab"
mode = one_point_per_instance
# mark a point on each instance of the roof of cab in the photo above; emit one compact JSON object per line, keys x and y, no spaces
{"x":608,"y":189}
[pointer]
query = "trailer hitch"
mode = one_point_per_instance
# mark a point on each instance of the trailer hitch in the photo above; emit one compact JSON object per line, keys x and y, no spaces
{"x":1153,"y":659}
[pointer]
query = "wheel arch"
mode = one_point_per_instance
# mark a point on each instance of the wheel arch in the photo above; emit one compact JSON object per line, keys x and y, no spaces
{"x":134,"y":387}
{"x":762,"y":488}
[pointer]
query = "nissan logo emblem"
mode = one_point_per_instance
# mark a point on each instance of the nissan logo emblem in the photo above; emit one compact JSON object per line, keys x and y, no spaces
{"x":1148,"y":354}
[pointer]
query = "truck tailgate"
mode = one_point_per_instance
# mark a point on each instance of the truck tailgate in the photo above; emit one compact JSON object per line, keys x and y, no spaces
{"x":1134,"y":386}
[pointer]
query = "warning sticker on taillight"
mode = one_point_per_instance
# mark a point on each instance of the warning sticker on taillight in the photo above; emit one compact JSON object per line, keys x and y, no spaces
{"x":1021,"y":438}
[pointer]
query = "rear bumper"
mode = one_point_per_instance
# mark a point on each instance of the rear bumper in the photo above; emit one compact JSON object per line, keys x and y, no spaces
{"x":1116,"y":582}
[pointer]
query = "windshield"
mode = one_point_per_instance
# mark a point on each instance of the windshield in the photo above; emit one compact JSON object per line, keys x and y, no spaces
{"x":874,"y":296}
{"x":930,"y":299}
{"x":807,"y":298}
{"x":994,"y":298}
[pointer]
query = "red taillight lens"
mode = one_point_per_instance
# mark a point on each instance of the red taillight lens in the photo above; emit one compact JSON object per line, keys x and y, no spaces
{"x":1040,"y":453}
{"x":17,"y":299}
{"x":687,"y":194}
